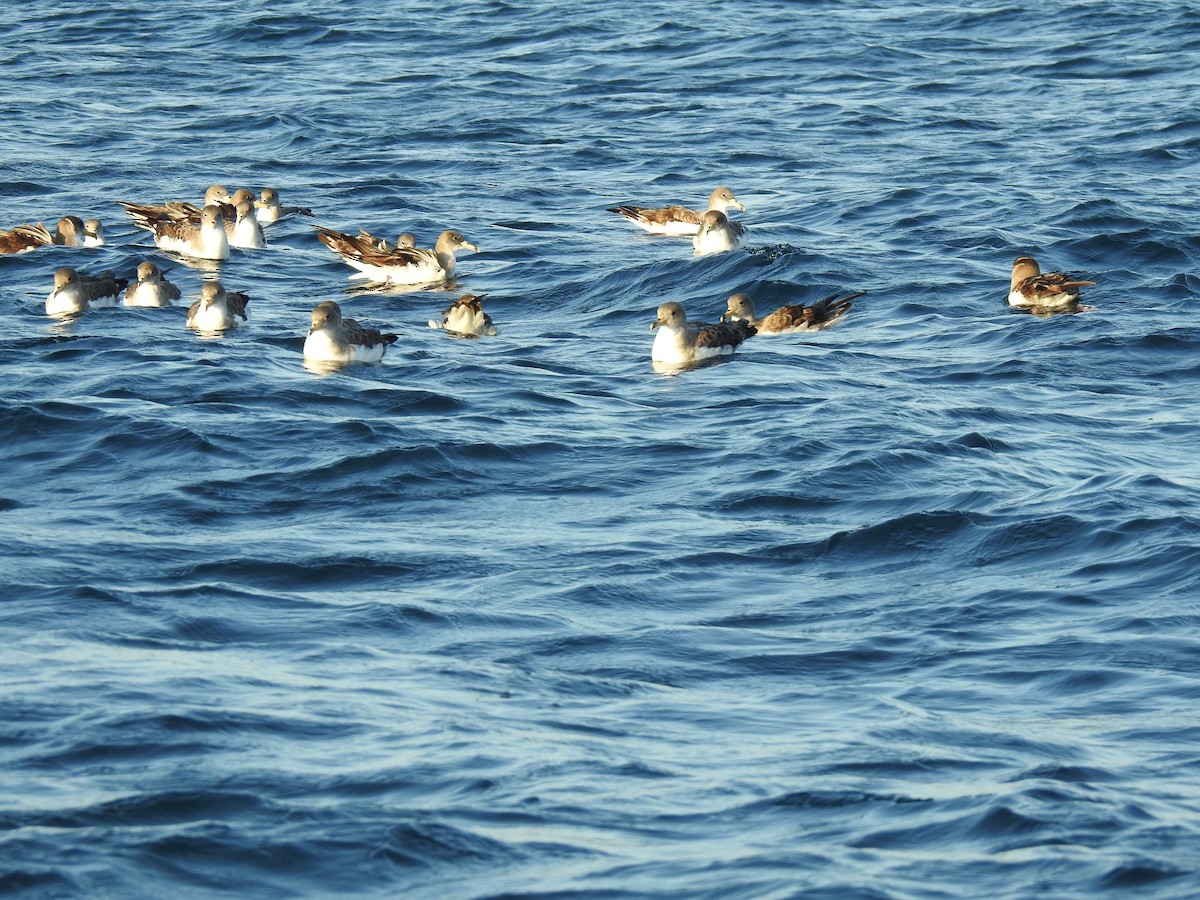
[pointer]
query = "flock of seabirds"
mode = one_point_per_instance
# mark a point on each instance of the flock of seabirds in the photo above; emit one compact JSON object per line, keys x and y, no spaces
{"x":208,"y":231}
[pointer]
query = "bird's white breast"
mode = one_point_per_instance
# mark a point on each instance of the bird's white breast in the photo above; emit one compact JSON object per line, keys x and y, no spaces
{"x":147,"y":295}
{"x":64,"y":301}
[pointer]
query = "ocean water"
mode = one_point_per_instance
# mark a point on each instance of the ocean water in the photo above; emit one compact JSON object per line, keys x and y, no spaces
{"x":906,"y":608}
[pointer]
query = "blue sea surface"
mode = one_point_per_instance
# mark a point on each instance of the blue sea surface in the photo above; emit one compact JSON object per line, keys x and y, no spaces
{"x":905,"y":608}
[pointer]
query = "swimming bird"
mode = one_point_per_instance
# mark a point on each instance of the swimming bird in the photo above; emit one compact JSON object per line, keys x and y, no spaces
{"x":93,"y":233}
{"x":717,"y":234}
{"x":205,"y":238}
{"x":151,"y":288}
{"x":270,"y":211}
{"x":1031,"y":287}
{"x":396,"y":265}
{"x":239,"y":218}
{"x":466,"y":316}
{"x":334,"y":339}
{"x":676,"y":220}
{"x":218,"y":309}
{"x":680,"y":341}
{"x":245,"y":231}
{"x":71,"y":231}
{"x":790,"y":319}
{"x":75,"y":292}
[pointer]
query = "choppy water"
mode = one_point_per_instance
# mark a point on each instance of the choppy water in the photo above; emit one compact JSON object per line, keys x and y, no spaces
{"x":906,"y":608}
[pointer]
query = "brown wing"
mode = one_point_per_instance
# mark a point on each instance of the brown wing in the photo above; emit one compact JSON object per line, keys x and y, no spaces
{"x":353,"y":245}
{"x":784,"y":318}
{"x":660,"y":216}
{"x":235,"y":302}
{"x":38,"y":233}
{"x":94,"y":288}
{"x":824,"y":312}
{"x":378,"y":242}
{"x":830,"y":309}
{"x":178,"y":229}
{"x":339,"y":242}
{"x":11,"y":242}
{"x":151,"y":216}
{"x":25,"y":237}
{"x":368,"y":337}
{"x":1049,"y":284}
{"x":366,"y":248}
{"x":723,"y":334}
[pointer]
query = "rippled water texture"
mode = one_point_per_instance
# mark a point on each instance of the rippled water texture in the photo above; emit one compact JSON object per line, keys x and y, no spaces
{"x":905,"y":608}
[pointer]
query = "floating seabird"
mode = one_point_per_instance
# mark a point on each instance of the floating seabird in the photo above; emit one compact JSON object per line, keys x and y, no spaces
{"x":1031,"y":287}
{"x":790,"y":319}
{"x":269,"y":210}
{"x":218,"y":309}
{"x":151,"y":288}
{"x":71,"y":231}
{"x":679,"y":341}
{"x":466,"y":316}
{"x":396,"y":265}
{"x":334,"y":339}
{"x":677,"y":220}
{"x":93,"y":233}
{"x":717,"y":234}
{"x":245,"y":231}
{"x":75,"y":292}
{"x":204,"y":238}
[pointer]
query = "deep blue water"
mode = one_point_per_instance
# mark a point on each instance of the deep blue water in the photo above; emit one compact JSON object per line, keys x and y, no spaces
{"x":907,"y":608}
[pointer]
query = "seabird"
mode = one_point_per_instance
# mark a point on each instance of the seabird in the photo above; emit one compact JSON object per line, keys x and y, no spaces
{"x":680,"y":341}
{"x":75,"y":292}
{"x":93,"y":233}
{"x":396,"y":265}
{"x":71,"y":231}
{"x":151,"y":289}
{"x":204,"y":238}
{"x":717,"y":234}
{"x":245,"y":231}
{"x":269,"y":210}
{"x":239,"y":218}
{"x":1031,"y":287}
{"x":218,"y":309}
{"x":466,"y":316}
{"x":334,"y":339}
{"x":790,"y":319}
{"x":677,"y":220}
